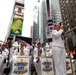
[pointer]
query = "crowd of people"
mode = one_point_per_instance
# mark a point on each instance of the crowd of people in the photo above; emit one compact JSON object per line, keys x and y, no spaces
{"x":20,"y":48}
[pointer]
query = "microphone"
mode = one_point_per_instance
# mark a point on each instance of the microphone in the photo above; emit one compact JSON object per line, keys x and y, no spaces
{"x":62,"y":36}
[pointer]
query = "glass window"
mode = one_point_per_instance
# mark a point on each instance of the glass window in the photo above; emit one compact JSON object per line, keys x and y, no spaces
{"x":64,"y":21}
{"x":66,"y":1}
{"x":68,"y":29}
{"x":67,"y":24}
{"x":66,"y":15}
{"x":75,"y":18}
{"x":71,"y":1}
{"x":67,"y":20}
{"x":75,"y":1}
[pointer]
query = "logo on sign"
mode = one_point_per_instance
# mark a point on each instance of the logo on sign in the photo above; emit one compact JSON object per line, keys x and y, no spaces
{"x":68,"y":66}
{"x":47,"y":66}
{"x":20,"y":67}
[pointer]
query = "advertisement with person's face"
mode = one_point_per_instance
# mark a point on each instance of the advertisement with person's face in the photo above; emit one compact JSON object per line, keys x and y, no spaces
{"x":16,"y":27}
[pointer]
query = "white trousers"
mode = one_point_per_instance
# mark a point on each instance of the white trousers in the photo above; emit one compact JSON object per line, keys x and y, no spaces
{"x":38,"y":67}
{"x":59,"y":57}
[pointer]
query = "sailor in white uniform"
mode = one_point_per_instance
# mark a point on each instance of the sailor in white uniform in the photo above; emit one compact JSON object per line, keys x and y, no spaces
{"x":37,"y":55}
{"x":5,"y":52}
{"x":58,"y":48}
{"x":16,"y":45}
{"x":23,"y":51}
{"x":48,"y":48}
{"x":43,"y":53}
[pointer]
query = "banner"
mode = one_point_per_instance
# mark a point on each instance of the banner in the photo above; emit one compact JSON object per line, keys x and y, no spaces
{"x":16,"y":27}
{"x":49,"y":31}
{"x":48,"y":9}
{"x":47,"y":66}
{"x":21,"y":66}
{"x":68,"y":66}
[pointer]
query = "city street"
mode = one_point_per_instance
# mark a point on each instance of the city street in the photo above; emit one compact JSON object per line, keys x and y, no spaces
{"x":38,"y":37}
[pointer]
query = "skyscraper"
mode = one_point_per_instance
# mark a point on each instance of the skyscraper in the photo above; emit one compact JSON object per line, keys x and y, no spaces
{"x":36,"y":24}
{"x":43,"y":22}
{"x":68,"y":12}
{"x":56,"y":14}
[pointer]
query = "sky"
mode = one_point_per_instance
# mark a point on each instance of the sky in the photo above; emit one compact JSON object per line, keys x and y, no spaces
{"x":6,"y":9}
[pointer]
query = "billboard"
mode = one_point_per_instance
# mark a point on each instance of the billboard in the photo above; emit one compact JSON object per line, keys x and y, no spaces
{"x":19,"y":11}
{"x":16,"y":27}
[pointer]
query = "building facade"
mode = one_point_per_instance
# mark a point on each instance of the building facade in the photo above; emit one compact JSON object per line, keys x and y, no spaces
{"x":56,"y":14}
{"x":43,"y":22}
{"x":36,"y":24}
{"x":68,"y":12}
{"x":40,"y":22}
{"x":16,"y":19}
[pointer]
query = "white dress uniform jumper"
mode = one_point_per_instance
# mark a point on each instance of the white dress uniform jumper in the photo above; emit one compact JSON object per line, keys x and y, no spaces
{"x":59,"y":52}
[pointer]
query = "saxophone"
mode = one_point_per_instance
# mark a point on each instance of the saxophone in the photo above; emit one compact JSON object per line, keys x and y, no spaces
{"x":39,"y":54}
{"x":21,"y":51}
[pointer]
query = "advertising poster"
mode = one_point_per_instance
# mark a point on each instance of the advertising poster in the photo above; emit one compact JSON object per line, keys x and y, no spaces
{"x":47,"y":66}
{"x":19,"y":11}
{"x":16,"y":27}
{"x":21,"y":66}
{"x":68,"y":66}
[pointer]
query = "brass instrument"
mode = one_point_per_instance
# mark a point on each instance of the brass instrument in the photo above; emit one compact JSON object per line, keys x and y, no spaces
{"x":21,"y":51}
{"x":39,"y":52}
{"x":39,"y":55}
